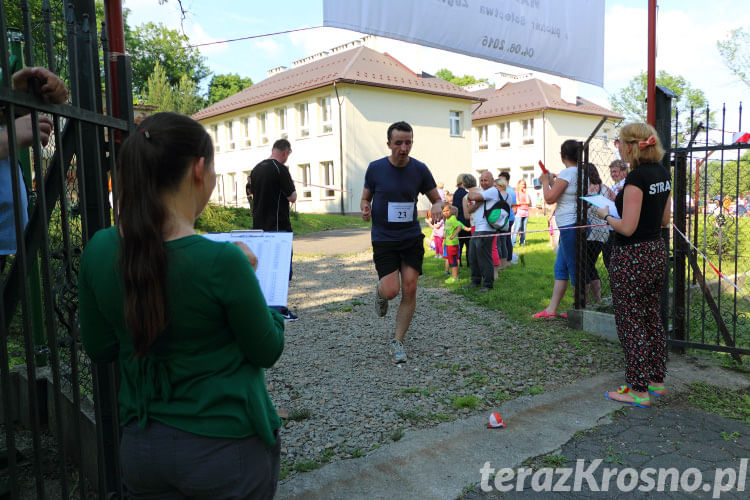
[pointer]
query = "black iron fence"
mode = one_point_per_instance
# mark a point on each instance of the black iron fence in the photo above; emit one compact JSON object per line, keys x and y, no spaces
{"x":59,"y":419}
{"x":712,"y":235}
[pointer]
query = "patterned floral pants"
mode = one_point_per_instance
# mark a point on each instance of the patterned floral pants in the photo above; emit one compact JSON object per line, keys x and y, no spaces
{"x":637,"y":274}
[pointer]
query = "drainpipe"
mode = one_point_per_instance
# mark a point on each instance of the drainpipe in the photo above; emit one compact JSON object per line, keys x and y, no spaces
{"x":544,"y":138}
{"x":341,"y":150}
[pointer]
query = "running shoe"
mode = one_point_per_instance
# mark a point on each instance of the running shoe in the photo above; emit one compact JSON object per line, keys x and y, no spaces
{"x":381,"y":304}
{"x":289,"y":316}
{"x":398,"y":352}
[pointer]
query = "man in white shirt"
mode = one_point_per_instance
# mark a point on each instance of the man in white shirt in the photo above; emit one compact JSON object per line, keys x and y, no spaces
{"x":480,"y":250}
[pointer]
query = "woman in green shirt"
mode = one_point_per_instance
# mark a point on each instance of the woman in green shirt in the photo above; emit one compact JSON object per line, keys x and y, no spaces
{"x":186,"y":320}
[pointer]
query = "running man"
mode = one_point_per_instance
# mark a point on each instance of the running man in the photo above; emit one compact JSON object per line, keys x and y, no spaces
{"x":392,"y":186}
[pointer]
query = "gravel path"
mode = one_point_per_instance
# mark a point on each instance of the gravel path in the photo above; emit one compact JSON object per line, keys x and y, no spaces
{"x":343,"y":395}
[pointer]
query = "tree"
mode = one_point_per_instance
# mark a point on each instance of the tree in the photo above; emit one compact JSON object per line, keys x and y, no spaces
{"x":151,"y":43}
{"x":461,"y":81}
{"x":183,"y":98}
{"x":735,"y":52}
{"x":222,"y":86}
{"x":630,"y":101}
{"x":160,"y":93}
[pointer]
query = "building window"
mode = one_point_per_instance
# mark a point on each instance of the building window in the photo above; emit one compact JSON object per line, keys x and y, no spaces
{"x":303,"y":176}
{"x":229,"y":134}
{"x":220,"y":187}
{"x":326,"y":127}
{"x":528,"y":131}
{"x":233,"y":189}
{"x":455,"y":123}
{"x":503,"y":134}
{"x":326,"y":175}
{"x":262,"y":128}
{"x":527,"y":174}
{"x":245,"y":129}
{"x":215,"y":137}
{"x":281,"y":119}
{"x":482,"y":137}
{"x":303,"y":120}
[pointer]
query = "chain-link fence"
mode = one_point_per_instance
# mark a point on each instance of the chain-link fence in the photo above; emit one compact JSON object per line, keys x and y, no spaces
{"x":599,"y":238}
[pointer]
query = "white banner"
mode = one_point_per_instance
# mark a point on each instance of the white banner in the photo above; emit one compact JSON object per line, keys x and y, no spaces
{"x":562,"y":37}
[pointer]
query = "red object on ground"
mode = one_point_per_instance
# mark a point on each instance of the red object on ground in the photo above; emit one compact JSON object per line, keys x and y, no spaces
{"x":496,"y":420}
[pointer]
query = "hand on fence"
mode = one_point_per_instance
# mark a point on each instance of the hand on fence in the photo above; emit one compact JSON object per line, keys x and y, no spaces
{"x":42,"y":82}
{"x":24,"y":131}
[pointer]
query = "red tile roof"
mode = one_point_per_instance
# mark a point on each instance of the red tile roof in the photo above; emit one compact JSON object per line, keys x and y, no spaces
{"x":531,"y":95}
{"x":361,"y":65}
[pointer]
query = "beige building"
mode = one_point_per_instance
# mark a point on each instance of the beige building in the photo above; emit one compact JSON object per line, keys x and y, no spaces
{"x":335,"y":108}
{"x":525,"y":121}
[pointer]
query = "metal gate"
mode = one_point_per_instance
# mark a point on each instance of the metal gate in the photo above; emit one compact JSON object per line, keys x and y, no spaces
{"x":712,"y":236}
{"x":51,"y":395}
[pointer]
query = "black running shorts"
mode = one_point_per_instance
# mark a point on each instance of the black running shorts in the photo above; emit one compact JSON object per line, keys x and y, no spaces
{"x":389,"y":255}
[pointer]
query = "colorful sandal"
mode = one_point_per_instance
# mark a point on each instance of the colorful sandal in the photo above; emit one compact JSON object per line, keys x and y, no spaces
{"x":543,"y":314}
{"x":637,"y":401}
{"x":659,"y":392}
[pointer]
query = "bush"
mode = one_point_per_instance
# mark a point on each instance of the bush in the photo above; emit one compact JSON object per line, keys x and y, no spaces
{"x":216,"y":219}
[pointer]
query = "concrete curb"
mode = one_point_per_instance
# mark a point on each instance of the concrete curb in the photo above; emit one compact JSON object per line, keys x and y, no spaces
{"x":441,"y":461}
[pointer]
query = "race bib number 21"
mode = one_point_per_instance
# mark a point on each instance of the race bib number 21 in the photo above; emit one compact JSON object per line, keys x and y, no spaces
{"x":400,"y":211}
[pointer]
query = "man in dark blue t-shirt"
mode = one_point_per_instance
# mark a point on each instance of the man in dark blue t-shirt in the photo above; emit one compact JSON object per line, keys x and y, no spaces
{"x":389,"y":198}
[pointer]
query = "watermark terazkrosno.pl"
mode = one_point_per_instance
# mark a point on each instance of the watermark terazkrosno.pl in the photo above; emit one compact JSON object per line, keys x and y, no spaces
{"x":626,"y":479}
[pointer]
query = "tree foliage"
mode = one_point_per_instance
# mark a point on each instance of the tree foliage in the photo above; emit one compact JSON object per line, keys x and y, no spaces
{"x":461,"y":81}
{"x":14,"y":19}
{"x":735,"y":52}
{"x":630,"y":101}
{"x":727,"y":183}
{"x":222,"y":86}
{"x":182,"y":98}
{"x":151,"y":43}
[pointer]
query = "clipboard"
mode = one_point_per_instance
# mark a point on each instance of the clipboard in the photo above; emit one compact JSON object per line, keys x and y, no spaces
{"x":600,"y":201}
{"x":274,"y":252}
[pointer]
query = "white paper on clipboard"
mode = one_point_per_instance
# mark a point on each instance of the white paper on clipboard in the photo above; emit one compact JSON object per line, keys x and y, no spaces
{"x":274,"y":252}
{"x":600,"y":201}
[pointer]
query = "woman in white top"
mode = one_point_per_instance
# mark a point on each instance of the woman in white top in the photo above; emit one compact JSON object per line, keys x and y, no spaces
{"x":562,"y":191}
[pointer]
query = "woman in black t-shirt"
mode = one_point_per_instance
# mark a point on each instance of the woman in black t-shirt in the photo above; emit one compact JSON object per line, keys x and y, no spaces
{"x":639,"y":263}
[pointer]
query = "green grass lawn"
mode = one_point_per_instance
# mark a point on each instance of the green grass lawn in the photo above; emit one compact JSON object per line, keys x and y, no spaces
{"x":521,"y":289}
{"x":218,"y":219}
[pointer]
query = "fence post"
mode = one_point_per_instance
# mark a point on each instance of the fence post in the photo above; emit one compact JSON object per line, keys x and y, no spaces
{"x":91,"y":172}
{"x":680,"y":248}
{"x":579,"y":292}
{"x":662,"y":125}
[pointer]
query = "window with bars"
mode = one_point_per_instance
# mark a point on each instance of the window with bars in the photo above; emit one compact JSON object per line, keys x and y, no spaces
{"x":327,"y":179}
{"x":303,"y":176}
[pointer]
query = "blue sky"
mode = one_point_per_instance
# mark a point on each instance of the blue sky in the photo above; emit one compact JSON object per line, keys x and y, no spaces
{"x":687,"y":31}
